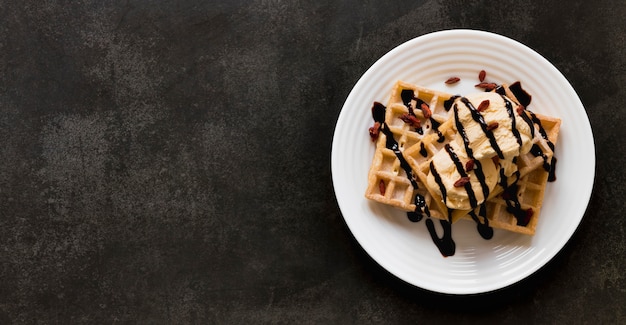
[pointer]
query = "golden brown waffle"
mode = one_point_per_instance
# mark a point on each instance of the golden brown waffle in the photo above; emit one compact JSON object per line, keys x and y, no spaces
{"x":386,"y":172}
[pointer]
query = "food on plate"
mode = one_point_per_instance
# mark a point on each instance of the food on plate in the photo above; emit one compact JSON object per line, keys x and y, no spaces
{"x":411,"y":113}
{"x":483,"y":157}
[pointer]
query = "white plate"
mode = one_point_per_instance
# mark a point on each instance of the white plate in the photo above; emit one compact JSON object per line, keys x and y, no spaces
{"x":404,"y":248}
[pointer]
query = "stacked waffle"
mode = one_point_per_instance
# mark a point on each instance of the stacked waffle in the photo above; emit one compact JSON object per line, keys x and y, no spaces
{"x":422,"y":123}
{"x":411,"y":115}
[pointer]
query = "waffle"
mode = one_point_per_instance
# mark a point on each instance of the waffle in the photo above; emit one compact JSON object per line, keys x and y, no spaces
{"x":387,"y":179}
{"x":531,"y":183}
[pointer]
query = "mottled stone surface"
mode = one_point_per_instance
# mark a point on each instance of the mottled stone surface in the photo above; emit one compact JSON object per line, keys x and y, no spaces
{"x":169,"y":162}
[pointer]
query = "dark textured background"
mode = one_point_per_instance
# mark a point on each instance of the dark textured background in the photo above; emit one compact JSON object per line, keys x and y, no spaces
{"x":169,"y":161}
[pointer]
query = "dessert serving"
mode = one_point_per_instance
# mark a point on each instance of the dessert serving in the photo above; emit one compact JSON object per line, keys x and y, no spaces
{"x":482,"y":156}
{"x":402,"y":229}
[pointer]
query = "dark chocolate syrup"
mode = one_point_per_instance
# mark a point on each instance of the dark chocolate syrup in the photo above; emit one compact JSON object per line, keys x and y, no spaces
{"x":522,"y":96}
{"x":510,"y":197}
{"x":461,"y":170}
{"x":481,"y":120}
{"x":550,"y":166}
{"x":434,"y":123}
{"x":524,"y":99}
{"x":445,"y":243}
{"x":530,"y":124}
{"x":423,"y":151}
{"x":552,"y":174}
{"x":470,"y":153}
{"x":483,"y":227}
{"x":420,"y":209}
{"x":407,"y":96}
{"x":447,"y":104}
{"x":378,"y":111}
{"x":442,"y":188}
{"x":419,"y":102}
{"x":509,"y":109}
{"x":436,"y":126}
{"x":542,"y":131}
{"x":537,"y":152}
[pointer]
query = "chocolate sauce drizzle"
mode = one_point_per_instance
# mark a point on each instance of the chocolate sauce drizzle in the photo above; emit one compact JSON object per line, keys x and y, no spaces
{"x":483,"y":227}
{"x":461,"y":170}
{"x":522,"y":96}
{"x":420,"y":209}
{"x":445,"y":243}
{"x":552,"y":173}
{"x":509,"y":109}
{"x":537,"y":152}
{"x":470,"y":153}
{"x":550,"y":166}
{"x":524,"y":99}
{"x":447,"y":104}
{"x":437,"y":177}
{"x":542,"y":131}
{"x":436,"y":126}
{"x":483,"y":125}
{"x":407,"y":95}
{"x":423,"y":151}
{"x":530,"y":124}
{"x":510,"y":197}
{"x":378,"y":113}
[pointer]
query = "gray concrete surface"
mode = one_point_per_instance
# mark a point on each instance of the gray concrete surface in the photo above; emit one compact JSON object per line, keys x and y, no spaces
{"x":168,"y":162}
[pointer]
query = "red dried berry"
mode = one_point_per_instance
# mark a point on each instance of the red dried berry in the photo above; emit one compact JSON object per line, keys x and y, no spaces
{"x":483,"y":105}
{"x":411,"y":120}
{"x":374,"y":131}
{"x":492,"y":126}
{"x":469,"y":165}
{"x":453,"y":80}
{"x":382,"y":187}
{"x":487,"y":86}
{"x":462,"y":181}
{"x":481,"y":75}
{"x":426,"y":110}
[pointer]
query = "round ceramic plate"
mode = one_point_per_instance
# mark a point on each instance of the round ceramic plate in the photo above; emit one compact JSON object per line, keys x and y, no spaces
{"x":405,"y":248}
